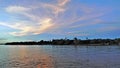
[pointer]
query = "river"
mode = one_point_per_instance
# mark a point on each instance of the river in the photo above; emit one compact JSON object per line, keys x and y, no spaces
{"x":59,"y":56}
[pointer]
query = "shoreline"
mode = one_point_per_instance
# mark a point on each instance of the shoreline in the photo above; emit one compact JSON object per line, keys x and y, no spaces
{"x":75,"y":41}
{"x":64,"y":45}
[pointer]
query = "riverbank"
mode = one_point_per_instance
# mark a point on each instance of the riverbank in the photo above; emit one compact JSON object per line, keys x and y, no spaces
{"x":75,"y":41}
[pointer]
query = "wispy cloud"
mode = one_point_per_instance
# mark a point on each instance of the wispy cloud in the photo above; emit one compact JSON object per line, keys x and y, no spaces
{"x":94,"y":22}
{"x":16,"y":9}
{"x":56,"y":8}
{"x":28,"y":29}
{"x":53,"y":21}
{"x":62,"y":2}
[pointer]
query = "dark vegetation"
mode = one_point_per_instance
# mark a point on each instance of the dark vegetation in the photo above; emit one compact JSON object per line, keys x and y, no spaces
{"x":74,"y":41}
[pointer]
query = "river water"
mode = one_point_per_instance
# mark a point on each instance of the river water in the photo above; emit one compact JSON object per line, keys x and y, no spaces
{"x":59,"y":56}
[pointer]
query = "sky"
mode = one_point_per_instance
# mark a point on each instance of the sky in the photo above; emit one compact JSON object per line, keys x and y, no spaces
{"x":34,"y":20}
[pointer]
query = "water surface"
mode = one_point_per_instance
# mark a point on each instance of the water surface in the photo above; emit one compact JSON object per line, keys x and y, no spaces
{"x":49,"y":56}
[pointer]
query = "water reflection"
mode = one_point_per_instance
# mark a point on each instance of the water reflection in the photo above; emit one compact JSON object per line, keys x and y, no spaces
{"x":25,"y":57}
{"x":59,"y":57}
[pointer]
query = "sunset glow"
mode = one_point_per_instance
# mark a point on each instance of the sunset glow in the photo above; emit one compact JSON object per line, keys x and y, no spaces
{"x":48,"y":19}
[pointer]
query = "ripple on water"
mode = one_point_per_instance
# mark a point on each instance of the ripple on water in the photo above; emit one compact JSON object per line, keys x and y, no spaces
{"x":59,"y":57}
{"x":27,"y":63}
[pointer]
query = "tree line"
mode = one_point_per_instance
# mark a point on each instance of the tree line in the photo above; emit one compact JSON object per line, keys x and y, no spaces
{"x":74,"y":41}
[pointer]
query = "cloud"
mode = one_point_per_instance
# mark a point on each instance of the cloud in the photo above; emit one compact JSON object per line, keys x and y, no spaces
{"x":71,"y":33}
{"x":55,"y":20}
{"x":45,"y":25}
{"x":63,"y":2}
{"x":94,"y":22}
{"x":57,"y":8}
{"x":40,"y":24}
{"x":27,"y":29}
{"x":16,"y":9}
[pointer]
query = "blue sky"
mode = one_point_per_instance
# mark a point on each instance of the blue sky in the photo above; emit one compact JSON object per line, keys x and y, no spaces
{"x":27,"y":20}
